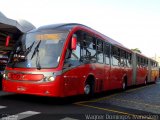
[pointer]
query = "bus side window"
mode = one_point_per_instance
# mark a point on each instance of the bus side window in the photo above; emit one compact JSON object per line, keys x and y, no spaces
{"x":123,"y":58}
{"x":129,"y":59}
{"x":138,"y":61}
{"x":100,"y":51}
{"x":115,"y":56}
{"x":142,"y":62}
{"x":88,"y":48}
{"x":107,"y":53}
{"x":75,"y":54}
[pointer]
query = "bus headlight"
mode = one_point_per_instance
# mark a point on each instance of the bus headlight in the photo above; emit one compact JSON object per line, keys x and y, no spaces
{"x":51,"y":79}
{"x":4,"y":75}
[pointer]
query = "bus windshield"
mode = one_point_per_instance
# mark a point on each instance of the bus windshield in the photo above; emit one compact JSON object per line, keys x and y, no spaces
{"x":38,"y":50}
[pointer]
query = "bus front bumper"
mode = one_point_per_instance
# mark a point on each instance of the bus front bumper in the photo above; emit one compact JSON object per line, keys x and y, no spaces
{"x":41,"y":89}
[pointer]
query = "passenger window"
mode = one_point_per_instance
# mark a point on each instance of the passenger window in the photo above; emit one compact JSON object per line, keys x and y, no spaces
{"x":145,"y":62}
{"x":100,"y":57}
{"x":107,"y":53}
{"x":115,"y":56}
{"x":142,"y":62}
{"x":88,"y":46}
{"x":129,"y":60}
{"x":123,"y":58}
{"x":138,"y":61}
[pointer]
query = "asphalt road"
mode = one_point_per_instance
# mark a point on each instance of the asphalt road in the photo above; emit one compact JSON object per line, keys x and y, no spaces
{"x":142,"y":102}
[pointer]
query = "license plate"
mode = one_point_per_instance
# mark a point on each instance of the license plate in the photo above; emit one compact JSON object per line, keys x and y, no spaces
{"x":21,"y":89}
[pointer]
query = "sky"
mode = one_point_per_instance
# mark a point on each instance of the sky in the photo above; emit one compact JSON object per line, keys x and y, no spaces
{"x":134,"y":23}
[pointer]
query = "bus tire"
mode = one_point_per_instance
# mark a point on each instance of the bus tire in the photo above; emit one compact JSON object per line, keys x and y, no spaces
{"x":145,"y":82}
{"x":155,"y":80}
{"x":89,"y":88}
{"x":124,"y":85}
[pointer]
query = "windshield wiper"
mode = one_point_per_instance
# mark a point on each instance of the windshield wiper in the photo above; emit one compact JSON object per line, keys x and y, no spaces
{"x":36,"y":50}
{"x":28,"y":49}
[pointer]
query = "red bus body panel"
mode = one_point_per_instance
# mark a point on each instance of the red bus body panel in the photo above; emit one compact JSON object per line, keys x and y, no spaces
{"x":141,"y":75}
{"x":42,"y":89}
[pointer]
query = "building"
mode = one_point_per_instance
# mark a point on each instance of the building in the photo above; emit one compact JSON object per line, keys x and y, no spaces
{"x":12,"y":29}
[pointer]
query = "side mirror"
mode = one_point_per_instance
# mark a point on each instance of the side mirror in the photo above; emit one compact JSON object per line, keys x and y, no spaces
{"x":8,"y":38}
{"x":74,"y":42}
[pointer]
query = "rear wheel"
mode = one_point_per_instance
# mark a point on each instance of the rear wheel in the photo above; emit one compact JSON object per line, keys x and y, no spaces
{"x":145,"y":82}
{"x":124,"y":85}
{"x":155,"y":80}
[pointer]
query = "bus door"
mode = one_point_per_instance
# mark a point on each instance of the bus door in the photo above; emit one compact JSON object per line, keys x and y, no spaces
{"x":129,"y":69}
{"x":99,"y":67}
{"x":73,"y":71}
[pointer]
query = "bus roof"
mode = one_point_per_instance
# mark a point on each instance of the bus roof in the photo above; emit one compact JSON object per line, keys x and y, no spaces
{"x":70,"y":26}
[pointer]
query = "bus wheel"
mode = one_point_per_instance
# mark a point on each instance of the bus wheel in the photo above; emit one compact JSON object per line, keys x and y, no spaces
{"x":124,"y":85}
{"x":155,"y":80}
{"x":89,"y":89}
{"x":145,"y":82}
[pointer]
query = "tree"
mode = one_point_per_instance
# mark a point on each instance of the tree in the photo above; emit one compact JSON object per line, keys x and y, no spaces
{"x":136,"y":50}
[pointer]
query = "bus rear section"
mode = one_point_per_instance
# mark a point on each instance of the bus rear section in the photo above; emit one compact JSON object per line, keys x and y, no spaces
{"x":153,"y":71}
{"x":142,"y":69}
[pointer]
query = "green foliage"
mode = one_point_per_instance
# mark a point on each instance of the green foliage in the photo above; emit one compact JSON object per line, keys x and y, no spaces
{"x":136,"y":50}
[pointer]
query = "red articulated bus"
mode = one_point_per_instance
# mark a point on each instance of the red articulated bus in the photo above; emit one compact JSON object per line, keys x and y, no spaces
{"x":70,"y":59}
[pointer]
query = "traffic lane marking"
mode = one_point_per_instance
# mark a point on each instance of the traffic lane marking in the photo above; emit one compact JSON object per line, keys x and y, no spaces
{"x":68,"y":118}
{"x":113,"y":95}
{"x":96,"y":100}
{"x":132,"y":90}
{"x":132,"y":116}
{"x":20,"y":116}
{"x":110,"y":97}
{"x":1,"y":107}
{"x":27,"y":114}
{"x":137,"y":102}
